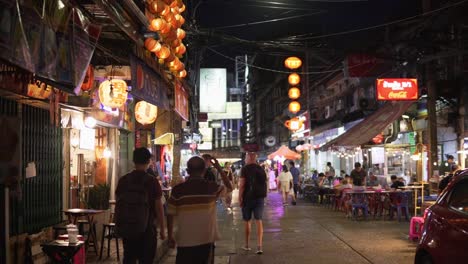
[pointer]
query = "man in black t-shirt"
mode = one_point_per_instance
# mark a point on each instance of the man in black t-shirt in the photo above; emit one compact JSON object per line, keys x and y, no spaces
{"x":358,"y":175}
{"x":140,"y":246}
{"x":395,"y":182}
{"x":252,"y":192}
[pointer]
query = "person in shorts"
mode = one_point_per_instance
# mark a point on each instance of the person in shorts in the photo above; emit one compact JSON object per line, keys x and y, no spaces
{"x":252,"y":192}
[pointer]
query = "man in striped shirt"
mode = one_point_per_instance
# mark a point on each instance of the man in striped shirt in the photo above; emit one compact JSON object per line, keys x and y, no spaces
{"x":193,"y":203}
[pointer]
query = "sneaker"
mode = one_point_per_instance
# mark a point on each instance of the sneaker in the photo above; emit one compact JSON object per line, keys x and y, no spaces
{"x":259,"y":251}
{"x":246,"y":248}
{"x":294,"y":203}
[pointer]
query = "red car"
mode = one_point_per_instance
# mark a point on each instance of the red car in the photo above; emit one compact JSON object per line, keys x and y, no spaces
{"x":445,"y":234}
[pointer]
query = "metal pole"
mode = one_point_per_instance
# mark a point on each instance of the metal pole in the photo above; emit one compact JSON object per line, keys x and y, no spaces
{"x":431,"y":109}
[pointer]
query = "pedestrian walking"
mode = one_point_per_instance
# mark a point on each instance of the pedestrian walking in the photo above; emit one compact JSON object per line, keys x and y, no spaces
{"x":193,"y":204}
{"x":252,"y":192}
{"x":210,"y":173}
{"x":285,"y":180}
{"x":296,"y":174}
{"x":138,"y":207}
{"x":271,"y":179}
{"x":227,"y":201}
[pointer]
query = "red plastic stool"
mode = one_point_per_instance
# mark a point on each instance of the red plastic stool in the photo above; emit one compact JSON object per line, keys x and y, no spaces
{"x":416,"y":226}
{"x":80,"y":256}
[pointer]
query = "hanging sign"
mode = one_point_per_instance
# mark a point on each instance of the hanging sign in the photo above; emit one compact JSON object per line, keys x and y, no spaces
{"x":181,"y":101}
{"x":147,"y":85}
{"x":397,"y":89}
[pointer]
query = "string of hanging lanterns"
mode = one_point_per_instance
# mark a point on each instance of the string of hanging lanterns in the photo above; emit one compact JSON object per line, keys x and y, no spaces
{"x":294,"y":93}
{"x":166,"y":20}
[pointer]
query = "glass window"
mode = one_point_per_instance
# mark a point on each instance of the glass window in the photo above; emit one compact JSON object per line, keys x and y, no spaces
{"x":459,"y":196}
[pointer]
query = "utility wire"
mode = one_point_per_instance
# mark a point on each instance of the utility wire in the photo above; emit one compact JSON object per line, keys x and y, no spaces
{"x":298,"y":37}
{"x":279,"y":71}
{"x":269,"y":21}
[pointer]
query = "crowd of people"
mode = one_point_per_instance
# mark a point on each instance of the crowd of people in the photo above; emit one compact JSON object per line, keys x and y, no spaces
{"x":192,"y":205}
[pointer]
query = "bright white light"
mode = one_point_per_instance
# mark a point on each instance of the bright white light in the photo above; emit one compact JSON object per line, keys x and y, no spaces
{"x":107,"y":153}
{"x":90,"y":122}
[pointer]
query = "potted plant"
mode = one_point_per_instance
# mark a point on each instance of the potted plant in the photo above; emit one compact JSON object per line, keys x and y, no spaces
{"x":98,"y":198}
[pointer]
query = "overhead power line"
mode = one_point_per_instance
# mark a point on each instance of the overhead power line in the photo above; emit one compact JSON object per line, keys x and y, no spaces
{"x":302,"y":36}
{"x":279,"y":71}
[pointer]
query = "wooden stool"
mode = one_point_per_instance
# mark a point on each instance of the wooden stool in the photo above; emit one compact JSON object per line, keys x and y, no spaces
{"x":90,"y":235}
{"x":110,"y":228}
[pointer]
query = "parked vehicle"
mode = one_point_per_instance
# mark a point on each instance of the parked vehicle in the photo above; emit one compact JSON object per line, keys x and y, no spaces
{"x":445,"y":234}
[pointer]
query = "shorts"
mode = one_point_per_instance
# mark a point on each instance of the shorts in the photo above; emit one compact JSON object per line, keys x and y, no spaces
{"x":253,"y":206}
{"x":285,"y":186}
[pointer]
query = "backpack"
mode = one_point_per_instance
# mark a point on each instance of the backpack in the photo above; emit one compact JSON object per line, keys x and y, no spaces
{"x":132,"y":208}
{"x":256,"y":188}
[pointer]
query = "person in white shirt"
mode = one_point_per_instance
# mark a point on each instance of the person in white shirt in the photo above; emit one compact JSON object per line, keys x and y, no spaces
{"x":285,"y":180}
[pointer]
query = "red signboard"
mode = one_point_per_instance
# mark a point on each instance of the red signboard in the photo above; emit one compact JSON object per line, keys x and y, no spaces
{"x":181,"y":102}
{"x":361,"y":65}
{"x":397,"y":89}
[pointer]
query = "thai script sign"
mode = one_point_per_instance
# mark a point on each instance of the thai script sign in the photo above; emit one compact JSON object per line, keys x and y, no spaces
{"x":397,"y":89}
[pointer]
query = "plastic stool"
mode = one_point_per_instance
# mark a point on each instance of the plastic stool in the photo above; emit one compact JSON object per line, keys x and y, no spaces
{"x":416,"y":226}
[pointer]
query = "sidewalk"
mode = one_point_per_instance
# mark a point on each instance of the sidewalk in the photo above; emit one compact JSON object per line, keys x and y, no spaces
{"x":92,"y":258}
{"x":310,"y":234}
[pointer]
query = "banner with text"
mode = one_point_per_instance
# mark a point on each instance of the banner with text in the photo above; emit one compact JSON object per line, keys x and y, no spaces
{"x":399,"y":89}
{"x":148,"y":85}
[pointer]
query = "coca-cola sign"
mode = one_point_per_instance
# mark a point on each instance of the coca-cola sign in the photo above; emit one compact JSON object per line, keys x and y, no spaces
{"x":397,"y":89}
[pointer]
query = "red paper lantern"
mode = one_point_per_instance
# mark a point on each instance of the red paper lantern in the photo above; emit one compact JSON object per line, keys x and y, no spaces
{"x":294,"y":107}
{"x":180,"y":33}
{"x":164,"y":52}
{"x":294,"y":93}
{"x":292,"y":63}
{"x":152,"y":45}
{"x":158,"y":24}
{"x":294,"y":79}
{"x":181,"y":49}
{"x":182,"y":74}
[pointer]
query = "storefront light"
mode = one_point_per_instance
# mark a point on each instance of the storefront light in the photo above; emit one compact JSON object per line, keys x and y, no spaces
{"x":107,"y":153}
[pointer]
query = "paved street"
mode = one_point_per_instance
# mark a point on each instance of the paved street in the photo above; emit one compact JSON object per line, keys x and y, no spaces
{"x":311,"y":234}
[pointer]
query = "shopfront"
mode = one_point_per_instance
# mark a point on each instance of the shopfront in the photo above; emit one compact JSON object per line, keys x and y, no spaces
{"x":384,"y":158}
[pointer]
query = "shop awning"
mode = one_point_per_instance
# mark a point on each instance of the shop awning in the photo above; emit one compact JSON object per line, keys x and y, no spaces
{"x":165,"y":139}
{"x":370,"y":126}
{"x":285,"y":152}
